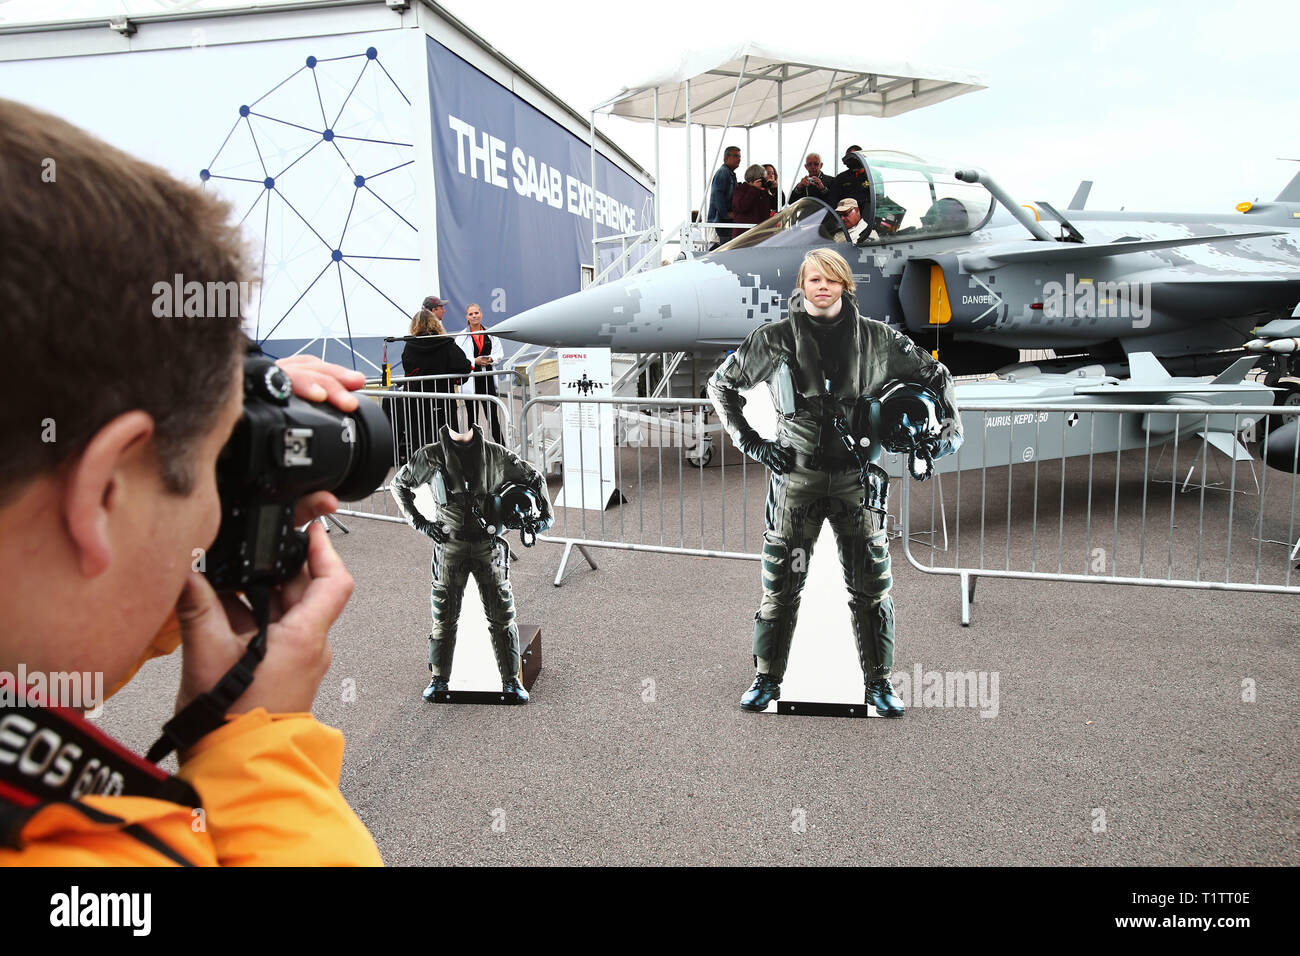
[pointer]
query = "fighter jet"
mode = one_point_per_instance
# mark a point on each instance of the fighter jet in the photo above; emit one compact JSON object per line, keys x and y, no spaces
{"x":952,"y":260}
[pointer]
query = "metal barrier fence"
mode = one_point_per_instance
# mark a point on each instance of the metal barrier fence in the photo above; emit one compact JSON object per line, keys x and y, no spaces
{"x":416,"y":417}
{"x":1101,"y":513}
{"x":517,"y":380}
{"x":659,"y":476}
{"x":1063,"y":492}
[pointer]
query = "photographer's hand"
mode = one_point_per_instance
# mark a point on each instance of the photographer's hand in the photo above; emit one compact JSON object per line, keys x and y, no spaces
{"x":318,"y":381}
{"x":214,"y":633}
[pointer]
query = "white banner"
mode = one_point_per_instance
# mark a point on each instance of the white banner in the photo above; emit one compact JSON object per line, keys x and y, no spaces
{"x":588,"y":429}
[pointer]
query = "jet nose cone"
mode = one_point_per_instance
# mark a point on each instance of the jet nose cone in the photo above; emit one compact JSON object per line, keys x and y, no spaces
{"x":572,"y":320}
{"x":657,"y":310}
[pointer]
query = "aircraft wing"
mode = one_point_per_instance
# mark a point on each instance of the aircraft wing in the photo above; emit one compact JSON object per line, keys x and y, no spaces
{"x":1052,"y":252}
{"x":1184,"y":280}
{"x":1228,"y":445}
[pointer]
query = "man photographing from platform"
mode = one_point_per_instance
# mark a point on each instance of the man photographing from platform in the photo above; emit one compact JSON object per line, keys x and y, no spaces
{"x":114,"y":420}
{"x":821,"y":365}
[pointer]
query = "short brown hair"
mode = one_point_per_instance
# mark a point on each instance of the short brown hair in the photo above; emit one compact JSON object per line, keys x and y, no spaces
{"x":832,"y":266}
{"x":88,"y":232}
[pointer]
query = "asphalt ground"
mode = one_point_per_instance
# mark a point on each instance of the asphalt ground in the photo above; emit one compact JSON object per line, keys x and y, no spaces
{"x":1135,"y":725}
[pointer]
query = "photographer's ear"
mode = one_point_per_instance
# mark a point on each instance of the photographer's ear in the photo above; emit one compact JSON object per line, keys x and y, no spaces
{"x":96,"y":483}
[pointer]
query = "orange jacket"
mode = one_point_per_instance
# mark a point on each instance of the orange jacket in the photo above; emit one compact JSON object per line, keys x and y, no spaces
{"x":269,"y":786}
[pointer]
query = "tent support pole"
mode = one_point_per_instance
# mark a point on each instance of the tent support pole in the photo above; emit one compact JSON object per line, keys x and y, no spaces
{"x":780,"y":120}
{"x":658,"y":224}
{"x":837,"y":136}
{"x":595,"y":255}
{"x":688,"y":162}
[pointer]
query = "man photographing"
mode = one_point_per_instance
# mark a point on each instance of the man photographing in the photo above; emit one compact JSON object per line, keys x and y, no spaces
{"x":811,"y":185}
{"x":108,"y":500}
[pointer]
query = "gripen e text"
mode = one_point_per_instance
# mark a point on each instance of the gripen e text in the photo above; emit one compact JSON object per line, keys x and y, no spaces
{"x":481,"y":155}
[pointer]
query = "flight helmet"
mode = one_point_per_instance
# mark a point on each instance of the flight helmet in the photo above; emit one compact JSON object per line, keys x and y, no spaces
{"x":515,"y":508}
{"x":911,"y":424}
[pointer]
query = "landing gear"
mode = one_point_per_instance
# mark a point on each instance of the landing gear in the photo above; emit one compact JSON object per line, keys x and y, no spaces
{"x":698,"y":443}
{"x":701,"y":454}
{"x":1285,"y":399}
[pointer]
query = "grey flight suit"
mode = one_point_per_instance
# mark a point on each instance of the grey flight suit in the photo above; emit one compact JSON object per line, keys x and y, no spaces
{"x":468,"y":548}
{"x":824,"y":484}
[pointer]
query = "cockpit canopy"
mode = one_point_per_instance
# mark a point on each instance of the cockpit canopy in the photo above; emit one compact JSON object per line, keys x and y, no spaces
{"x":910,"y":199}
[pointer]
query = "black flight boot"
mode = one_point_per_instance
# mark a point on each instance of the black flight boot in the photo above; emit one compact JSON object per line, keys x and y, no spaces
{"x":436,"y":684}
{"x":880,"y":695}
{"x":514,"y":691}
{"x":762,"y":692}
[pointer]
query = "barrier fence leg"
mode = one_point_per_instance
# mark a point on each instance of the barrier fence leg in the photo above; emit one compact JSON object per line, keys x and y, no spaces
{"x":327,"y":520}
{"x":967,"y":596}
{"x":564,"y":561}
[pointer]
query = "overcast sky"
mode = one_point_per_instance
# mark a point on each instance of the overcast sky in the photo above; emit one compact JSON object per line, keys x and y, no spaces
{"x":1168,"y":106}
{"x":1182,"y":106}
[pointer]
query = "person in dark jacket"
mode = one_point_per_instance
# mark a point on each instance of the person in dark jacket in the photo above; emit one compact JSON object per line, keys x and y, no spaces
{"x":853,"y":183}
{"x":775,"y":195}
{"x":749,"y":203}
{"x":813,"y":184}
{"x":721,"y":191}
{"x":433,"y":356}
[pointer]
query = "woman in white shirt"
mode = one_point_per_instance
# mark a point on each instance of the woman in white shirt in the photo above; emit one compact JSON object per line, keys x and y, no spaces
{"x":486,"y":353}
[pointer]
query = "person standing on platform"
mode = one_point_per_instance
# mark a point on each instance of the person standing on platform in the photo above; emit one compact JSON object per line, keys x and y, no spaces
{"x":486,"y":353}
{"x":813,"y":184}
{"x":853,"y":183}
{"x":720,"y":193}
{"x":775,"y":194}
{"x":750,"y":203}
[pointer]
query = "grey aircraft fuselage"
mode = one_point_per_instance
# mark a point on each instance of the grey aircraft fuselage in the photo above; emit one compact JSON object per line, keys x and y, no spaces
{"x":1177,"y":285}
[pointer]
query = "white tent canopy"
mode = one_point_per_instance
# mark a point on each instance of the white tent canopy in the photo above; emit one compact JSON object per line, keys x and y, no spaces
{"x":775,"y":82}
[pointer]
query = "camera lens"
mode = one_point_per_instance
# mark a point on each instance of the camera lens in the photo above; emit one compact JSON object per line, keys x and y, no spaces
{"x":372,"y":451}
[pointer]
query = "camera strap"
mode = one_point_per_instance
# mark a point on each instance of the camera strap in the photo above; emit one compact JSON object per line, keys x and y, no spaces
{"x":55,"y":755}
{"x":207,"y":712}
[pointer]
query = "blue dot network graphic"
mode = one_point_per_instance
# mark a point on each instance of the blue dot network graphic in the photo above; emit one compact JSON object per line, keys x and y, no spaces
{"x":321,"y":166}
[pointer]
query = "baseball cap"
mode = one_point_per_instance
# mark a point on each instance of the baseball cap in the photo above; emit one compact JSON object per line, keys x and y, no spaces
{"x":433,"y":302}
{"x":846,"y":204}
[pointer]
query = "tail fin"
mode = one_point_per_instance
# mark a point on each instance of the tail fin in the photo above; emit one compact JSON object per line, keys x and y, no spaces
{"x":1081,"y":195}
{"x":1291,"y":192}
{"x":1145,"y":367}
{"x":1236,"y":372}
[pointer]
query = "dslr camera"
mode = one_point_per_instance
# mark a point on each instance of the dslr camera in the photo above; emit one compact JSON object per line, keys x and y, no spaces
{"x":283,"y":449}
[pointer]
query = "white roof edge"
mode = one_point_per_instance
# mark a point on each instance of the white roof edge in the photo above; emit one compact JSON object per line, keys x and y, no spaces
{"x":719,"y":66}
{"x":604,"y":143}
